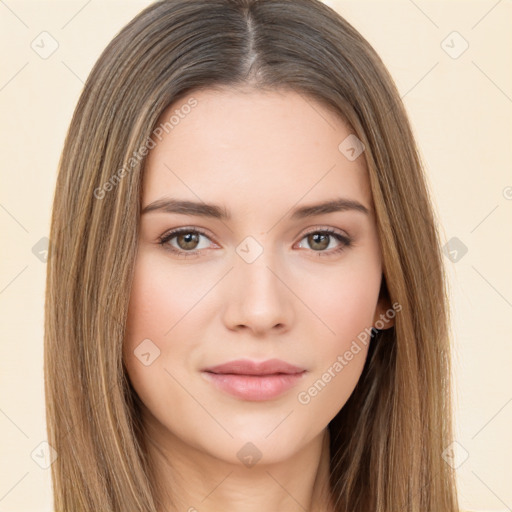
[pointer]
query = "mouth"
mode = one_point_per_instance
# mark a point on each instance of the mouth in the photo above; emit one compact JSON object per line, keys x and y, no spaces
{"x":254,"y":381}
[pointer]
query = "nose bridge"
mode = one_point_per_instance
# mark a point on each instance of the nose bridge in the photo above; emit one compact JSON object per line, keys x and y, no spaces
{"x":259,"y":298}
{"x":256,"y":262}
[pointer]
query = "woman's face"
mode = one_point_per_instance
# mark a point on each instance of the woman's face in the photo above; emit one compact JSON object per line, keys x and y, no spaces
{"x":251,"y":278}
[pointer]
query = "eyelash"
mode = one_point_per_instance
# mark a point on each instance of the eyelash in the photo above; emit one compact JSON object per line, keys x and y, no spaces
{"x":166,"y":237}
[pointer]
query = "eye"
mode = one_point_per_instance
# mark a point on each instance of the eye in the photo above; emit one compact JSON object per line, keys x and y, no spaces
{"x":319,"y":240}
{"x":187,"y":240}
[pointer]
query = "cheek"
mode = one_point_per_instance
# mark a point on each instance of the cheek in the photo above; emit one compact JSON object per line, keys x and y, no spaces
{"x":160,"y":303}
{"x":154,"y":349}
{"x":153,"y":305}
{"x":345,"y":302}
{"x":339,"y":362}
{"x":346,"y":306}
{"x":153,"y":311}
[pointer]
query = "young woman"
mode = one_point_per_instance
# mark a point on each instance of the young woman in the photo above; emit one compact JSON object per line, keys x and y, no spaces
{"x":246,"y":305}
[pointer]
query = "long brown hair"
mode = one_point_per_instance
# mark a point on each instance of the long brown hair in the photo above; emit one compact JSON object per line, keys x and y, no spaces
{"x":387,"y":441}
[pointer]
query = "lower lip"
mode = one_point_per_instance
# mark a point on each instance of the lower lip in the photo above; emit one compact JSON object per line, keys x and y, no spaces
{"x":254,"y":387}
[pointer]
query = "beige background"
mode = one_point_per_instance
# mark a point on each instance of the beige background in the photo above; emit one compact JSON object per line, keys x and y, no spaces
{"x":461,"y":110}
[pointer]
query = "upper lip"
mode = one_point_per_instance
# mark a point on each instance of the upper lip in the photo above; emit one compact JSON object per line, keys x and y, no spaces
{"x":248,"y":367}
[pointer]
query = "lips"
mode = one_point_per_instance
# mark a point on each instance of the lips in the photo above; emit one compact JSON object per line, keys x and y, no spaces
{"x":248,"y":367}
{"x":255,"y":381}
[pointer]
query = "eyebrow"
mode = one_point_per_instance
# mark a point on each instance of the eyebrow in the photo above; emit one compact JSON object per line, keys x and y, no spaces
{"x":201,"y":209}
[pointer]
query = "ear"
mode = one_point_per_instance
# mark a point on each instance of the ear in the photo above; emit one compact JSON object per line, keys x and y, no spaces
{"x":384,"y":317}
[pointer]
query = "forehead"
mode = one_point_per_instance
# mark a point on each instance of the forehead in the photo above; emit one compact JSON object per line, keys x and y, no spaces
{"x":244,"y":148}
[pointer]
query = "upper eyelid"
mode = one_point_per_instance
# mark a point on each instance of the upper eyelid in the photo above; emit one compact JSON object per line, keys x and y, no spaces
{"x":174,"y":232}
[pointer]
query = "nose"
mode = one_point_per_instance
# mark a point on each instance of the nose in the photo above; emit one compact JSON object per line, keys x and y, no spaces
{"x":259,"y":298}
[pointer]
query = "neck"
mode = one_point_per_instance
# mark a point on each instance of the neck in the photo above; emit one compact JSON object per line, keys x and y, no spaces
{"x":194,"y":481}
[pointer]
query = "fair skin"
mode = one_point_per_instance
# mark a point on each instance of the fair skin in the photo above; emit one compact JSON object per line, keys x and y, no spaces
{"x":259,"y":155}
